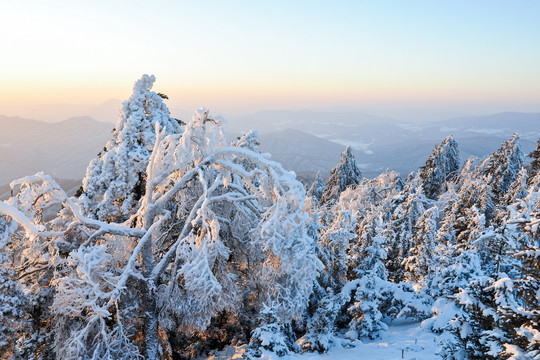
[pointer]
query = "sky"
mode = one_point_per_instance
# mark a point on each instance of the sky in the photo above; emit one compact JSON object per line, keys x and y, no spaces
{"x":235,"y":57}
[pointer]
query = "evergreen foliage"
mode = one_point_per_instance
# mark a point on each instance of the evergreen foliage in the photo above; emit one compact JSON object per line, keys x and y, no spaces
{"x":442,"y":166}
{"x":115,"y":181}
{"x":345,"y":174}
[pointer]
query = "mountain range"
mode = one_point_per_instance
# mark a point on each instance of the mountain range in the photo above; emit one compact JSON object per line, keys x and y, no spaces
{"x":303,"y":141}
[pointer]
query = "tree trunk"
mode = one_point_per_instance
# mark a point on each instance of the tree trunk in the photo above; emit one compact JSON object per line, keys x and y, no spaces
{"x":150,"y":325}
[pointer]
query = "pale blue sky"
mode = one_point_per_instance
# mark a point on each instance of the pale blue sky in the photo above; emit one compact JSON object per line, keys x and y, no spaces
{"x":254,"y":55}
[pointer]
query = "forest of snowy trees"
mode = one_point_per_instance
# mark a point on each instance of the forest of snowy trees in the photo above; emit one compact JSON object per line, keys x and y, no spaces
{"x":180,"y":242}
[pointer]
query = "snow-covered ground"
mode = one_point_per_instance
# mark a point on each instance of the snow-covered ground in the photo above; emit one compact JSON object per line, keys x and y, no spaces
{"x":410,"y":340}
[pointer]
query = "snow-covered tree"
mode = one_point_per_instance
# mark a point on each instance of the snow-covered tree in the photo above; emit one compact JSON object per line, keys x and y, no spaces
{"x":534,"y":167}
{"x":14,"y":322}
{"x":321,"y":328}
{"x":317,"y":188}
{"x":334,"y":243}
{"x":408,"y":208}
{"x":209,"y":232}
{"x":270,"y":335}
{"x":365,"y":309}
{"x":442,"y":165}
{"x":523,"y":337}
{"x":115,"y":181}
{"x":502,"y":168}
{"x":345,"y":174}
{"x":423,"y":244}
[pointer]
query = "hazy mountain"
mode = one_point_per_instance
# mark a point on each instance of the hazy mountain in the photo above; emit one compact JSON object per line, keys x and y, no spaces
{"x":360,"y":130}
{"x":305,"y":153}
{"x":303,"y":141}
{"x":502,"y":124}
{"x":62,"y":149}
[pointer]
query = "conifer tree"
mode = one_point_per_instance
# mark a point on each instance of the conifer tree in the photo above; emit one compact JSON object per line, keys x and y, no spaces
{"x":502,"y":168}
{"x":321,"y":328}
{"x":14,"y":322}
{"x":270,"y":335}
{"x":365,"y":310}
{"x":345,"y":174}
{"x":409,"y":207}
{"x":115,"y":181}
{"x":423,"y":243}
{"x":441,"y":166}
{"x":317,"y":188}
{"x":524,"y":335}
{"x":534,"y":167}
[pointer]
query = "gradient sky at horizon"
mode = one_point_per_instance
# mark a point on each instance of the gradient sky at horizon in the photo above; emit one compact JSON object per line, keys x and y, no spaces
{"x":250,"y":55}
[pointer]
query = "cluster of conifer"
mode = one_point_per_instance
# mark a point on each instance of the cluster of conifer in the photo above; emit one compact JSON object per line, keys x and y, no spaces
{"x":458,"y":244}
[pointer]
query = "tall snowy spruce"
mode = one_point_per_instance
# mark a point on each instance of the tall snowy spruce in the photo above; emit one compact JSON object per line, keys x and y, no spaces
{"x":442,"y":166}
{"x":502,"y":168}
{"x":523,"y":330}
{"x":410,"y":205}
{"x":534,"y":167}
{"x":14,"y":317}
{"x":317,"y":188}
{"x":345,"y":174}
{"x":115,"y":181}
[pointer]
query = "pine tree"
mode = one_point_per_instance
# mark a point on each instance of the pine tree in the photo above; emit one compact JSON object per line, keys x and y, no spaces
{"x":317,"y":188}
{"x":441,"y":167}
{"x":321,"y":328}
{"x":423,"y":243}
{"x":345,"y":174}
{"x":270,"y":335}
{"x":334,"y":243}
{"x":409,"y":207}
{"x":14,"y":323}
{"x":477,"y":319}
{"x":502,"y":168}
{"x":534,"y":167}
{"x":115,"y":181}
{"x":365,"y":310}
{"x":525,"y":339}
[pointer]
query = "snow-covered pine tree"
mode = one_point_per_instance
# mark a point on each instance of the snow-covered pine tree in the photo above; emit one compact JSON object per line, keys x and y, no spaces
{"x":365,"y":310}
{"x":345,"y":174}
{"x":115,"y":181}
{"x":502,"y":168}
{"x":371,"y":203}
{"x":317,"y":188}
{"x":14,"y":322}
{"x":421,"y":257}
{"x":441,"y":166}
{"x":270,"y":335}
{"x":467,"y":215}
{"x":335,"y":241}
{"x":409,"y":207}
{"x":524,"y":336}
{"x":477,"y":317}
{"x":321,"y":327}
{"x":534,"y":167}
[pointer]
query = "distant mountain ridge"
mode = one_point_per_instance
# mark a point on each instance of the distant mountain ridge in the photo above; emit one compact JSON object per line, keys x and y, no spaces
{"x":61,"y":149}
{"x":303,"y":141}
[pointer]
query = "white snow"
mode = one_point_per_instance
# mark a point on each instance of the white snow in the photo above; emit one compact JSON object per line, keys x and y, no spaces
{"x":487,"y":131}
{"x":414,"y":340}
{"x":358,"y":145}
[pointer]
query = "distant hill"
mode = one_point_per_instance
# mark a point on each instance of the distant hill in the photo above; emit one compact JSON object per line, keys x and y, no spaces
{"x":61,"y":149}
{"x":303,"y":141}
{"x":501,"y":125}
